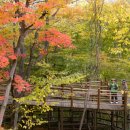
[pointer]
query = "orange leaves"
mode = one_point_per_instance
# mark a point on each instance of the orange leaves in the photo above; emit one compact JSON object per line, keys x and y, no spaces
{"x":27,"y":17}
{"x":18,"y":12}
{"x":46,"y":6}
{"x":6,"y":53}
{"x":56,"y":38}
{"x":12,"y":57}
{"x":3,"y":62}
{"x":4,"y":58}
{"x":2,"y":40}
{"x":50,"y":5}
{"x":20,"y":84}
{"x":38,"y":24}
{"x":7,"y":12}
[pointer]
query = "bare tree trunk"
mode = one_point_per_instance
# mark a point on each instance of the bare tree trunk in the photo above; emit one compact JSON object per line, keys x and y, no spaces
{"x":95,"y":37}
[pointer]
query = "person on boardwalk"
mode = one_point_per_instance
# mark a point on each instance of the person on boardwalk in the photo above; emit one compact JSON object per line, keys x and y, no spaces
{"x":124,"y":89}
{"x":124,"y":85}
{"x":113,"y":86}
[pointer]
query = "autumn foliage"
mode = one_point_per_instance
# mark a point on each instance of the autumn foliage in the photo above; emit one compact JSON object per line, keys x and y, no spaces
{"x":56,"y":38}
{"x":25,"y":16}
{"x":20,"y":84}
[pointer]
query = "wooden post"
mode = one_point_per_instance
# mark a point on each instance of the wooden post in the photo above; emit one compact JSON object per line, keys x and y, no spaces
{"x":61,"y":119}
{"x":87,"y":118}
{"x":125,"y":110}
{"x":58,"y":118}
{"x":112,"y":120}
{"x":116,"y":118}
{"x":49,"y":119}
{"x":58,"y":125}
{"x":98,"y":101}
{"x":129,"y":120}
{"x":95,"y":119}
{"x":71,"y":110}
{"x":71,"y":96}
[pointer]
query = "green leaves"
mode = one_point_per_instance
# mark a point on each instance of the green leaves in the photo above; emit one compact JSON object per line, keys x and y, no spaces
{"x":36,"y":104}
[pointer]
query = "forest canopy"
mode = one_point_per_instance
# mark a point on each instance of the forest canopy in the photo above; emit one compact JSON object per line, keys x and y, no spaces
{"x":54,"y":42}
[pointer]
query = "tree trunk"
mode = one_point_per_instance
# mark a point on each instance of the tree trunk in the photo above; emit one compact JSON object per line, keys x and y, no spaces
{"x":84,"y":111}
{"x":12,"y":72}
{"x":28,"y":71}
{"x":17,"y":105}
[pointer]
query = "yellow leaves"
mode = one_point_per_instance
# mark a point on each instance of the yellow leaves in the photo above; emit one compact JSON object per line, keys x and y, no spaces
{"x":115,"y":23}
{"x":121,"y":36}
{"x":117,"y":50}
{"x":127,"y":42}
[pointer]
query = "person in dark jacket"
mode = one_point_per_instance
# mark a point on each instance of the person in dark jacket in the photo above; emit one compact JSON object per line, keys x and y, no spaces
{"x":124,"y":85}
{"x":124,"y":89}
{"x":113,"y":86}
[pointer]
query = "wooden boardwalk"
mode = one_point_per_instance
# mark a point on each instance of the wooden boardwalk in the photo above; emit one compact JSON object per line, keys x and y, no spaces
{"x":96,"y":99}
{"x":93,"y":95}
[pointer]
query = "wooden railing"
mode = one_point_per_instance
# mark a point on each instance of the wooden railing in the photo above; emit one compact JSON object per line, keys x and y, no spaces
{"x":96,"y":97}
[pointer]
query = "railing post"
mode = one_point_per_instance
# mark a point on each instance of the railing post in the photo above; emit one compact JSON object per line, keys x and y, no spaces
{"x":71,"y":96}
{"x":62,"y":91}
{"x":98,"y":101}
{"x":125,"y":110}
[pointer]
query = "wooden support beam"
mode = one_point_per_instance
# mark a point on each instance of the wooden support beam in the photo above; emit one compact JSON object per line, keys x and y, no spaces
{"x":112,"y":120}
{"x":125,"y":111}
{"x":95,"y":119}
{"x":87,"y":119}
{"x":49,"y":119}
{"x":58,"y":125}
{"x":129,"y":120}
{"x":116,"y":119}
{"x":72,"y":118}
{"x":61,"y":119}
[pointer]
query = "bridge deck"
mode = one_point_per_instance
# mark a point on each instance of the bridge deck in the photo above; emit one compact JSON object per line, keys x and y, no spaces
{"x":80,"y":104}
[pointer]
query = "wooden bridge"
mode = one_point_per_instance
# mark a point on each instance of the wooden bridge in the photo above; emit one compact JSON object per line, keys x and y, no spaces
{"x":93,"y":95}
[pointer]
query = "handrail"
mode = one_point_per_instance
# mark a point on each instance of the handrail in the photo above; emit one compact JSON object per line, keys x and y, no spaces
{"x":96,"y":96}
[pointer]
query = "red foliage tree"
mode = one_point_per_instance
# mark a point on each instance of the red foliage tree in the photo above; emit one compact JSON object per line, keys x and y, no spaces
{"x":56,"y":38}
{"x":26,"y":17}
